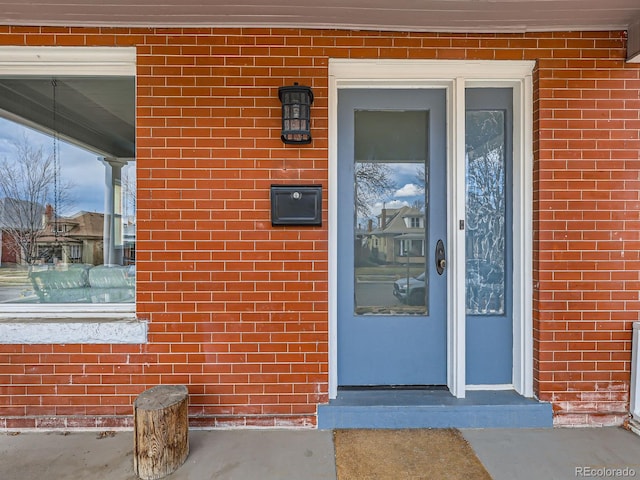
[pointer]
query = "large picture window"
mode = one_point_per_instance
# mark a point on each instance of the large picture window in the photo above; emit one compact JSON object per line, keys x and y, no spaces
{"x":68,"y":189}
{"x":62,"y":239}
{"x":67,"y":250}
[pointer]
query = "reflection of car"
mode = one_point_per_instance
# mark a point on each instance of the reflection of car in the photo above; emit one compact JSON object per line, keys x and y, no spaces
{"x":410,"y":290}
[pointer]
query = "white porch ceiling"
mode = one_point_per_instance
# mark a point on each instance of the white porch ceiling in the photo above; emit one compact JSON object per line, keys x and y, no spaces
{"x":410,"y":15}
{"x":96,"y":113}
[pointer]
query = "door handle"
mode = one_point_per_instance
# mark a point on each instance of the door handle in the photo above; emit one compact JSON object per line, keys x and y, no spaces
{"x":441,"y":261}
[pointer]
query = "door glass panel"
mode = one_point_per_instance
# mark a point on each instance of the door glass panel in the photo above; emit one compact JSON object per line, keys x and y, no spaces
{"x":485,"y":211}
{"x":390,"y":212}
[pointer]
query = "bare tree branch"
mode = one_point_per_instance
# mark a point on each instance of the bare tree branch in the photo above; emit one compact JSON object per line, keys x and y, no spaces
{"x":129,"y":196}
{"x":374,"y":182}
{"x":26,"y":187}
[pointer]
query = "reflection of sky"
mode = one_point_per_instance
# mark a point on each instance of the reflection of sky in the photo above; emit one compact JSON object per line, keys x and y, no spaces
{"x":407,"y":189}
{"x":79,"y":167}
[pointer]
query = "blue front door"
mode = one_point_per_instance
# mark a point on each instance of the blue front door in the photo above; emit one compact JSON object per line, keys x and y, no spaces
{"x":392,"y":223}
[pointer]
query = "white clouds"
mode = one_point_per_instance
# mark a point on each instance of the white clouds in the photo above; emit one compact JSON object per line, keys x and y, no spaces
{"x":409,"y":190}
{"x":392,"y":204}
{"x":377,"y":208}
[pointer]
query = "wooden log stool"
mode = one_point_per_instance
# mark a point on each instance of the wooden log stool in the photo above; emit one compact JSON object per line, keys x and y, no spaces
{"x":161,"y":431}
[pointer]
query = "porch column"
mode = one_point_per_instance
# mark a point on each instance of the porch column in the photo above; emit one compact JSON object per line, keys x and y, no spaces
{"x":113,"y":240}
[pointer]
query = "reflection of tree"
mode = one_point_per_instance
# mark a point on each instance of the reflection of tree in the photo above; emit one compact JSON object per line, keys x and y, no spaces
{"x":421,"y":177}
{"x":129,"y":196}
{"x":27,"y":185}
{"x":486,"y":209}
{"x":373,"y":182}
{"x":421,"y":183}
{"x":418,"y":205}
{"x":485,"y":131}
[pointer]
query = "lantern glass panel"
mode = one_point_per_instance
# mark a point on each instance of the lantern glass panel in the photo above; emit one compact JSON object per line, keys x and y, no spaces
{"x":296,"y":114}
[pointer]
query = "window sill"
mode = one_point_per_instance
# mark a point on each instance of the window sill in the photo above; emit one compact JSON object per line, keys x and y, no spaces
{"x":71,"y":323}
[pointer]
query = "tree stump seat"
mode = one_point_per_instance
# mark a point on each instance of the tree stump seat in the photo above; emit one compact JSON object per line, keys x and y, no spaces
{"x":161,"y":431}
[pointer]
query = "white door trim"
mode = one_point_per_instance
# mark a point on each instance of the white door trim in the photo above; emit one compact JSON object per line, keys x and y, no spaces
{"x":454,"y":76}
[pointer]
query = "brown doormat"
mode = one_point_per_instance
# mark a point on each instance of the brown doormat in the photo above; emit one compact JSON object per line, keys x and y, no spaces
{"x":406,"y":454}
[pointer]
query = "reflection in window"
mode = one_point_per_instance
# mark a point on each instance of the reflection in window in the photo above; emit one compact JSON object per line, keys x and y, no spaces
{"x":416,"y":222}
{"x":65,"y":237}
{"x":390,"y":154}
{"x":485,"y":211}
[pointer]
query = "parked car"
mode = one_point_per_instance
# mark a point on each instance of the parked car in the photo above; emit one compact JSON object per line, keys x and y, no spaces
{"x":410,"y":290}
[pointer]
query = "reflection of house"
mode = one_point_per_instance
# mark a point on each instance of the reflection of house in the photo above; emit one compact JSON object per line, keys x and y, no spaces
{"x":15,"y":216}
{"x":399,"y":236}
{"x":129,"y":241}
{"x":7,"y":248}
{"x":76,"y":239}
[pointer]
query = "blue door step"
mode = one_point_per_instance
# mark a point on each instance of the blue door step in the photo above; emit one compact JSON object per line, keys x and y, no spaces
{"x":391,"y":408}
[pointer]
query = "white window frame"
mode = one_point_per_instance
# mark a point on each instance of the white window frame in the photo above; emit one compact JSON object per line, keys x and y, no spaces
{"x":454,"y":76}
{"x":69,"y":323}
{"x":75,"y":251}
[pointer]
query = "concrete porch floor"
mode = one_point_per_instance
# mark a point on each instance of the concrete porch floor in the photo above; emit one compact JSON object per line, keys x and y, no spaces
{"x":508,"y":454}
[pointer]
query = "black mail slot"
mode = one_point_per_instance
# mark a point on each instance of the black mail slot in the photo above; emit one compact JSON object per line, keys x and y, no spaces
{"x":296,"y":204}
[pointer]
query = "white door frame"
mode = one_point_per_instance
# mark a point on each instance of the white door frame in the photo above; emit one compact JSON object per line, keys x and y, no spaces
{"x":454,"y":76}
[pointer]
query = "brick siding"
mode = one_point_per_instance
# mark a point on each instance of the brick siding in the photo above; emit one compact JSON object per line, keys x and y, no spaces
{"x":238,"y":310}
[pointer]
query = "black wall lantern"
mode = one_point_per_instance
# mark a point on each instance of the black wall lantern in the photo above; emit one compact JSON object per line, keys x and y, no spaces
{"x":296,"y":113}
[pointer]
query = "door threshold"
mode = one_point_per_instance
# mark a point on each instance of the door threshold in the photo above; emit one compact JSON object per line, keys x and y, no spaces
{"x":366,"y":388}
{"x":432,"y":408}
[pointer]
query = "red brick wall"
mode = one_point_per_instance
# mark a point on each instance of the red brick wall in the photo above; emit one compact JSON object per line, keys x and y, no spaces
{"x":587,"y":227}
{"x":238,"y":309}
